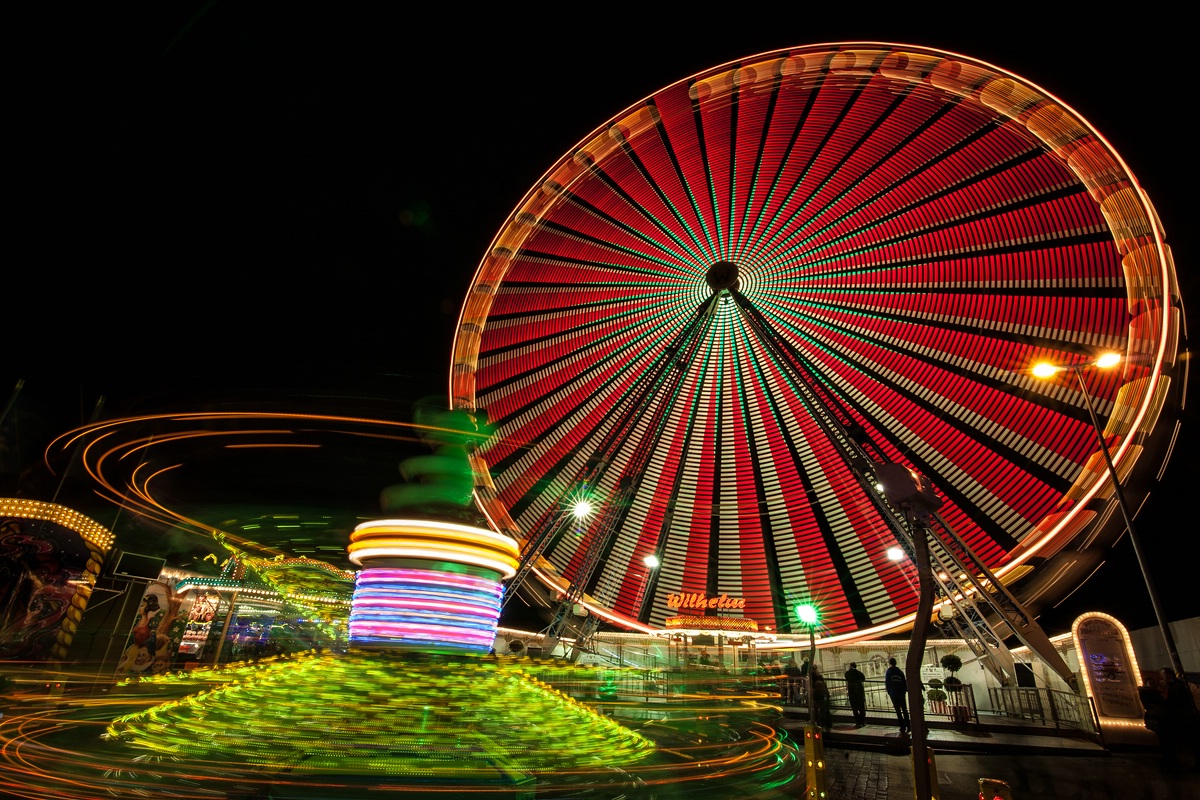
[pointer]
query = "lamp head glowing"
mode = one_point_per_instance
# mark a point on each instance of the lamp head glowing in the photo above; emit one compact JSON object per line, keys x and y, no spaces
{"x":1045,"y":370}
{"x":807,"y":614}
{"x":651,"y":561}
{"x":582,"y":508}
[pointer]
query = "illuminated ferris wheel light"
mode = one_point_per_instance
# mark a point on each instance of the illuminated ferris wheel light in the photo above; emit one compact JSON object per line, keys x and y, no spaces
{"x":1045,"y":370}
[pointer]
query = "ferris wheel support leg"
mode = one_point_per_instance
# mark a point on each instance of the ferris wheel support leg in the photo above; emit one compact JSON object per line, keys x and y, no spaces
{"x":922,"y":782}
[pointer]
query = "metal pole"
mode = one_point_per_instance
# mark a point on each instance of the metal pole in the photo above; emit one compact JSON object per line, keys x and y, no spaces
{"x":808,"y":679}
{"x":114,"y":634}
{"x":225,"y":628}
{"x":12,"y":399}
{"x":1163,"y":627}
{"x":922,"y":781}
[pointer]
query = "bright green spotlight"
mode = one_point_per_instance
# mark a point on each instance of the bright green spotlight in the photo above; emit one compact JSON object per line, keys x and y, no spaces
{"x":807,"y":613}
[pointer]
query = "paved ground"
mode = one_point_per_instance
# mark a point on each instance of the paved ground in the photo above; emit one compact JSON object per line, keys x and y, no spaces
{"x":877,"y":775}
{"x":875,"y":764}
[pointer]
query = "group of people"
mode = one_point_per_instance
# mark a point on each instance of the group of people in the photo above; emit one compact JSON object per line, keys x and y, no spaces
{"x":796,"y":685}
{"x":894,"y":682}
{"x":797,"y":678}
{"x":1171,"y":709}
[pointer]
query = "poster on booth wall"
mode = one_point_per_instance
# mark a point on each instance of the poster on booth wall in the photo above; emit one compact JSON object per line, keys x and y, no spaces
{"x":199,"y":624}
{"x":46,"y":573}
{"x":154,"y":640}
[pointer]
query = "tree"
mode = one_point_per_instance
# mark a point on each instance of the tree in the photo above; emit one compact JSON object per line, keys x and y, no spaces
{"x":954,"y":664}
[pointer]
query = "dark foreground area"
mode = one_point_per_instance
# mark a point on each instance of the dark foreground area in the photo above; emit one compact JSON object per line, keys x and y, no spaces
{"x":880,"y":775}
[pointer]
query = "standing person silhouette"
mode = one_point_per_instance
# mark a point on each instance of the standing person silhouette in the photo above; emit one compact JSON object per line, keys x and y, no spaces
{"x":856,"y":692}
{"x":1178,"y":721}
{"x":821,"y":714}
{"x":794,"y":681}
{"x":897,"y":689}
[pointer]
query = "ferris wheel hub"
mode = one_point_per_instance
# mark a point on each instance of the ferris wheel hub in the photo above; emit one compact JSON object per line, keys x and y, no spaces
{"x":722,"y":275}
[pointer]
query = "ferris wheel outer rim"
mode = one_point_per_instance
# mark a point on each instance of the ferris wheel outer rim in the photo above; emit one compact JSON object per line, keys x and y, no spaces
{"x":464,"y":336}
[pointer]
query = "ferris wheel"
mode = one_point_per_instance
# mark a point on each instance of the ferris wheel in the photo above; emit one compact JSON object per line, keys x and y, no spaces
{"x":720,"y":312}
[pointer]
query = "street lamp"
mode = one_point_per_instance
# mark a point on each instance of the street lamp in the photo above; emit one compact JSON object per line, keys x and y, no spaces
{"x":651,"y":561}
{"x":814,"y":747}
{"x":1046,"y":371}
{"x":808,"y":615}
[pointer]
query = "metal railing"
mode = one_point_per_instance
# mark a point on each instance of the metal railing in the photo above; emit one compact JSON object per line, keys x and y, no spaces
{"x":959,"y":705}
{"x":1027,"y":706}
{"x":1049,"y":707}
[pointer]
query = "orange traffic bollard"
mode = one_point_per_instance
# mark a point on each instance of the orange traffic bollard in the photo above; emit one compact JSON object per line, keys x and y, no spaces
{"x":994,"y":789}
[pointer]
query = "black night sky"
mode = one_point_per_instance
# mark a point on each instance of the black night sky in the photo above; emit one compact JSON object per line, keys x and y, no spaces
{"x":226,"y":192}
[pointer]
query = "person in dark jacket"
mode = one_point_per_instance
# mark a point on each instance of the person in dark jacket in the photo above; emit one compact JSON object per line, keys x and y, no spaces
{"x":792,"y":683}
{"x":1171,"y":713}
{"x":897,"y":689}
{"x":821,"y":713}
{"x":856,"y":693}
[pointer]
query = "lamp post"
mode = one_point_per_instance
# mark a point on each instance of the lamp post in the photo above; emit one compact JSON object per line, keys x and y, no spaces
{"x":581,"y":508}
{"x":1046,"y":371}
{"x":808,"y":616}
{"x":651,"y":561}
{"x":814,"y":745}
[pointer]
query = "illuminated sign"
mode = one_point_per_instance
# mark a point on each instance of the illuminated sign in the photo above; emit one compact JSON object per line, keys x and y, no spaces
{"x":688,"y":600}
{"x":711,"y":624}
{"x":1108,"y":665}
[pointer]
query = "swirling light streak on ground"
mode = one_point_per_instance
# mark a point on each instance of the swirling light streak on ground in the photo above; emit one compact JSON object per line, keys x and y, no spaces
{"x":58,"y":753}
{"x":306,"y":720}
{"x":379,"y":714}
